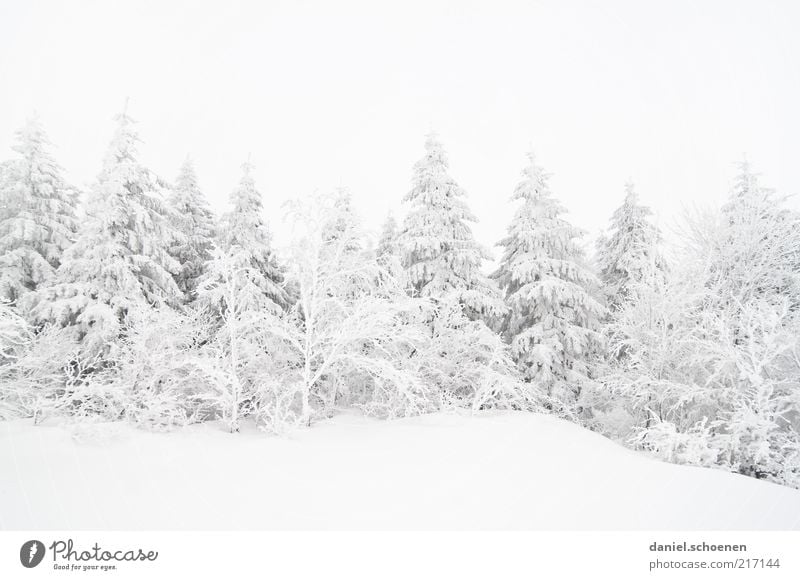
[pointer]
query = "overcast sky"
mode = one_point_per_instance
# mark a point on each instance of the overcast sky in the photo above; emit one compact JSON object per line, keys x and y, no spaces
{"x":328,"y":94}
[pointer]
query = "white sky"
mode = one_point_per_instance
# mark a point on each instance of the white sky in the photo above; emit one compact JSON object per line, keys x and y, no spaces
{"x":324,"y":94}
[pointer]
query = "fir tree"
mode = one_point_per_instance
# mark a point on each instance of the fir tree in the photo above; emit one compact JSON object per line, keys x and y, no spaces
{"x":343,"y":221}
{"x":119,"y":261}
{"x":387,"y":252}
{"x":440,"y":254}
{"x":196,"y":223}
{"x":629,"y":256}
{"x":551,"y":322}
{"x":388,"y":241}
{"x":756,"y":254}
{"x":245,"y":232}
{"x":37,"y":214}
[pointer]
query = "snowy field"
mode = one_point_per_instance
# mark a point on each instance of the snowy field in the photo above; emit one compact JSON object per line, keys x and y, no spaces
{"x":443,"y":471}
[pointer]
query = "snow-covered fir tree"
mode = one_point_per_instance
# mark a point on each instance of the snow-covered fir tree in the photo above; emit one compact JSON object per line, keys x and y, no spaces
{"x":756,"y":248}
{"x":120,"y":260}
{"x":439,"y":251}
{"x":710,"y":371}
{"x":37,"y":214}
{"x":245,"y":232}
{"x":388,"y":240}
{"x":196,"y":223}
{"x":629,"y":257}
{"x":343,"y":221}
{"x":552,"y":318}
{"x":751,"y":319}
{"x":387,"y":251}
{"x":5,"y":168}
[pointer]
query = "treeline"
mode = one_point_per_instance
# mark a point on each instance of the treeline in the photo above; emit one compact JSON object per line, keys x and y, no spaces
{"x":133,"y":301}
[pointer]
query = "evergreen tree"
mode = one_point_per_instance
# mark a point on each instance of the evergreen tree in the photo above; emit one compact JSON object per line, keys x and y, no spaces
{"x":343,"y":221}
{"x":756,"y":252}
{"x":196,"y":223}
{"x":387,"y":252}
{"x":440,"y":254}
{"x":710,"y":367}
{"x":119,"y":261}
{"x":388,"y":241}
{"x":245,"y":233}
{"x":629,"y":256}
{"x":551,"y":322}
{"x":37,"y":214}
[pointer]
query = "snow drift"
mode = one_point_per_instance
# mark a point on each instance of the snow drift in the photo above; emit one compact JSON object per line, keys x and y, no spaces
{"x":441,"y":471}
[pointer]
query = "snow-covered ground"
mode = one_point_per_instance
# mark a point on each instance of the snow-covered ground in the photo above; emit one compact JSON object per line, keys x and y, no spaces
{"x":506,"y":471}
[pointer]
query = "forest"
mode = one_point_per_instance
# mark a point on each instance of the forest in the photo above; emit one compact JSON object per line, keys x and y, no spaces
{"x":132,"y":301}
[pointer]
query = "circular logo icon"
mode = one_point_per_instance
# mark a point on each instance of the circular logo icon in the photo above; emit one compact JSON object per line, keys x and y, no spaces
{"x":31,"y":553}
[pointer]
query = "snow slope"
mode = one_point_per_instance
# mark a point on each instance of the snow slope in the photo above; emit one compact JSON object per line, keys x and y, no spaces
{"x":506,"y":471}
